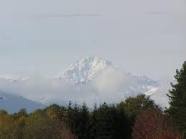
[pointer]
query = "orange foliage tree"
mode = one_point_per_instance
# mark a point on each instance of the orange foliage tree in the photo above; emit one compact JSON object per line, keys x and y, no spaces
{"x":153,"y":124}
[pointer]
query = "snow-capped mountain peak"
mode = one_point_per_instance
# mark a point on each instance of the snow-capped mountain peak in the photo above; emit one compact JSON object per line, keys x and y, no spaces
{"x":85,"y":69}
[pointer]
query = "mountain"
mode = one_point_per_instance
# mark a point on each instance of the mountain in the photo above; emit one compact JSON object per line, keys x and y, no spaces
{"x":90,"y":80}
{"x":13,"y":103}
{"x":104,"y":77}
{"x":88,"y":69}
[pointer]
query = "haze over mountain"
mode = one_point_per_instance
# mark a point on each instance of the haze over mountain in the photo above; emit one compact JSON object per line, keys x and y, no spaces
{"x":90,"y":80}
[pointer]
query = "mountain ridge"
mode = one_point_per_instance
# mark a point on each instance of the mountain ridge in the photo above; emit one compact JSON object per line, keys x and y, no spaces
{"x":83,"y":81}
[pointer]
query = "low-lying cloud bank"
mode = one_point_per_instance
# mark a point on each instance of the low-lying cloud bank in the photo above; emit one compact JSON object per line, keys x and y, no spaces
{"x":109,"y":86}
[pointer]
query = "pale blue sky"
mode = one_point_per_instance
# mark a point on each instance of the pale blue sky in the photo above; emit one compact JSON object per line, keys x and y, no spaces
{"x":141,"y":36}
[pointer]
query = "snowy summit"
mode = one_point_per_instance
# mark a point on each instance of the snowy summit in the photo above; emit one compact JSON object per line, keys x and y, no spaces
{"x":85,"y":70}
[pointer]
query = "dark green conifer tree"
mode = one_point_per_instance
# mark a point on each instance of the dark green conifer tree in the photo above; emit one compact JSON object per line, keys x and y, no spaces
{"x":177,"y":96}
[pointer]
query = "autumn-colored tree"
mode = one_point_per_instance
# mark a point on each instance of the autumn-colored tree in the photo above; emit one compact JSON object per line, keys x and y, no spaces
{"x":55,"y":112}
{"x":6,"y":125}
{"x":153,"y":124}
{"x":66,"y":133}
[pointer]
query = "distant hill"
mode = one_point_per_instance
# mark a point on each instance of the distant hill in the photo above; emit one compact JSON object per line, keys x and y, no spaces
{"x":13,"y":103}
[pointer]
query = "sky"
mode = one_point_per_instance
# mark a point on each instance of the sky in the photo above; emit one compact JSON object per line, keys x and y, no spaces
{"x":144,"y":37}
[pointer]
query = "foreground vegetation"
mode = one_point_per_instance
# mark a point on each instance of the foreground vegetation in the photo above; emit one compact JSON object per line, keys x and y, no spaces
{"x":135,"y":118}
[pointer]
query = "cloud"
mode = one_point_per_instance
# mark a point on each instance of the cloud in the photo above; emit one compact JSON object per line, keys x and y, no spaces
{"x":110,"y":85}
{"x":58,"y":16}
{"x":110,"y":80}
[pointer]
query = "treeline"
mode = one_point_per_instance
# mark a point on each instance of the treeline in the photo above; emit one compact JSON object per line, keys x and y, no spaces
{"x":135,"y":118}
{"x":55,"y":122}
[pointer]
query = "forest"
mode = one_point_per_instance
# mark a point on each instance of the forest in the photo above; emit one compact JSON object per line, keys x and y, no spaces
{"x":134,"y":118}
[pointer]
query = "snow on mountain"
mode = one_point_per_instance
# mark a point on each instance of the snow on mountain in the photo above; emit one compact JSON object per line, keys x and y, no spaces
{"x":84,"y":70}
{"x":89,"y":68}
{"x":13,"y":103}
